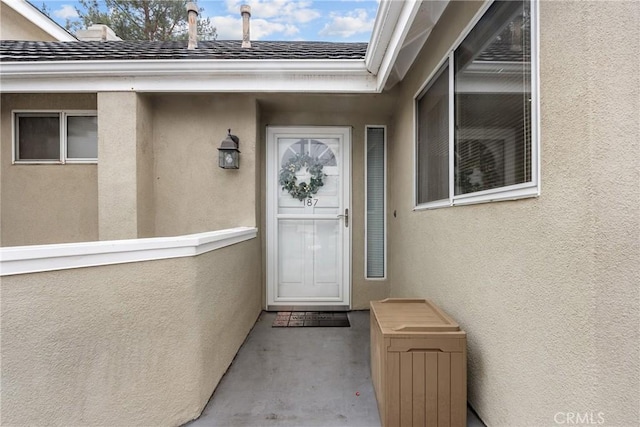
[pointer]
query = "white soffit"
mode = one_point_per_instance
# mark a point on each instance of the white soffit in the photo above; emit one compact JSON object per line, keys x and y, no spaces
{"x":383,"y":27}
{"x":393,"y":23}
{"x":426,"y":17}
{"x":39,"y":19}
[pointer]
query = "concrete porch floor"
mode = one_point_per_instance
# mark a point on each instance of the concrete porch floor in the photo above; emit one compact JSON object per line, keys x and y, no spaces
{"x":299,"y":377}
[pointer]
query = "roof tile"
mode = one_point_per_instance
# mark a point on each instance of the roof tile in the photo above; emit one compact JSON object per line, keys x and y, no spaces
{"x":29,"y":51}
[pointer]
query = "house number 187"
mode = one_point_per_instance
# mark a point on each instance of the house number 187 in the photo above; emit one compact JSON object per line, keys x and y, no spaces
{"x":310,"y":202}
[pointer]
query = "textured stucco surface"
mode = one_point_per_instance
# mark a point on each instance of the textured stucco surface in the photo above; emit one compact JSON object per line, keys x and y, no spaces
{"x":145,"y":168}
{"x":131,"y":344}
{"x":158,"y":173}
{"x":45,"y":203}
{"x":14,"y":26}
{"x":192,"y":193}
{"x":356,"y":112}
{"x":118,"y":165}
{"x":546,"y":288}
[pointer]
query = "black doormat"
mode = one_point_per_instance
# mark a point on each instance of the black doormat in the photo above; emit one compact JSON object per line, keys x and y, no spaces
{"x":297,"y":319}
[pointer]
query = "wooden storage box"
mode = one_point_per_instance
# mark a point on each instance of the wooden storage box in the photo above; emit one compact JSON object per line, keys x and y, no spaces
{"x":418,"y":364}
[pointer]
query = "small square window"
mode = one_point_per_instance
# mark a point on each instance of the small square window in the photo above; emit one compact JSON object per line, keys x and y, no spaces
{"x":38,"y":136}
{"x":82,"y":137}
{"x":55,"y":137}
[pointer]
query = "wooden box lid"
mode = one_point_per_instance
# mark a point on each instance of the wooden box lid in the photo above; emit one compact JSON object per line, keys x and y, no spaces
{"x":406,"y":316}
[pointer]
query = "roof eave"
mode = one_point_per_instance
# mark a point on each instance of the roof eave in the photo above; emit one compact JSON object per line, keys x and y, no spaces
{"x":368,"y":75}
{"x":188,"y":75}
{"x":390,"y":30}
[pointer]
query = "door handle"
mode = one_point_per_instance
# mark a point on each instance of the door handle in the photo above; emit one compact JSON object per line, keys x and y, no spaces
{"x":346,"y":217}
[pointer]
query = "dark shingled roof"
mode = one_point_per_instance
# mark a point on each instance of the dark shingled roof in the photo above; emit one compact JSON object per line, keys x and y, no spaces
{"x":502,"y":52}
{"x":177,"y":50}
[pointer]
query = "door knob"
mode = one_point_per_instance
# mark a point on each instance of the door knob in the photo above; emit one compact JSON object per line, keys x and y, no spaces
{"x":346,"y":217}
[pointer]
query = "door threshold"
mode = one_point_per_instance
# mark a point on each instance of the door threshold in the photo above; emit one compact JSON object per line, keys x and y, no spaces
{"x":308,"y":308}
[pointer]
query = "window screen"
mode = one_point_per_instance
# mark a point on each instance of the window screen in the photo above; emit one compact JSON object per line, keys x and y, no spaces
{"x":433,"y":139}
{"x":37,"y":136}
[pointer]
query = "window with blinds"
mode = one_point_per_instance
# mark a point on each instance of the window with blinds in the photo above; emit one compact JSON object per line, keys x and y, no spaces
{"x":433,"y":139}
{"x":492,"y":111}
{"x":375,"y":203}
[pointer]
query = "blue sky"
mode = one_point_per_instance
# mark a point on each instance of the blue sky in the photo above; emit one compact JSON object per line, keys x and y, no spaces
{"x":326,"y":20}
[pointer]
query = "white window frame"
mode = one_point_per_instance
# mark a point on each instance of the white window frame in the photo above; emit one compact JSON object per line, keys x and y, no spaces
{"x":384,"y":203}
{"x":62,"y":116}
{"x":511,"y":192}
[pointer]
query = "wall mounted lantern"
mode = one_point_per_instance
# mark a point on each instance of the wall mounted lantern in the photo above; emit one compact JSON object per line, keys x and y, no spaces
{"x":228,"y":153}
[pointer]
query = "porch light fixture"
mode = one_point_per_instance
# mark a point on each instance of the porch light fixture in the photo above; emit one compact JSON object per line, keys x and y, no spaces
{"x":228,"y":153}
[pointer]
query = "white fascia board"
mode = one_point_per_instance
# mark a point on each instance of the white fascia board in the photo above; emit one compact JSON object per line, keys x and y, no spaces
{"x":386,"y":19}
{"x":188,"y":75}
{"x":396,"y":41}
{"x":40,"y":20}
{"x":39,"y":258}
{"x":170,"y":67}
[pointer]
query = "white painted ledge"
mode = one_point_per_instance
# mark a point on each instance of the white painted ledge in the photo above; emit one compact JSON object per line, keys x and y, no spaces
{"x":39,"y":258}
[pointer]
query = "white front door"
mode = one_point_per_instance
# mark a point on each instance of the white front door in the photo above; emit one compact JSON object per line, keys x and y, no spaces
{"x":308,"y":238}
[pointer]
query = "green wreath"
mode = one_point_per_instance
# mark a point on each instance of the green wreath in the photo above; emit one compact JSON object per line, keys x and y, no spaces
{"x":289,"y":181}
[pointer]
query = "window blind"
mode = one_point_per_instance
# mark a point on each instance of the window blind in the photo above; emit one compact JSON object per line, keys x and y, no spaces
{"x":375,"y":210}
{"x":493,"y":100}
{"x":433,"y":139}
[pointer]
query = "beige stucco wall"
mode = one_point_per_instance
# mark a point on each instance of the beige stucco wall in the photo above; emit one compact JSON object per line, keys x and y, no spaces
{"x":547,"y":288}
{"x":118,"y":125}
{"x":145,"y":169}
{"x":339,"y":110}
{"x":130,"y":344}
{"x":157,"y":173}
{"x":14,"y":26}
{"x":192,"y":193}
{"x":45,"y":203}
{"x":126,"y":166}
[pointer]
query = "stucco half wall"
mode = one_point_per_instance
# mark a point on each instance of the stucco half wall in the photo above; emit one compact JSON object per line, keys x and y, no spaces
{"x":130,"y":344}
{"x":547,"y":287}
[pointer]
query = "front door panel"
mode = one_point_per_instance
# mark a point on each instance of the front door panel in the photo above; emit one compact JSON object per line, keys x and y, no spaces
{"x":307,"y":229}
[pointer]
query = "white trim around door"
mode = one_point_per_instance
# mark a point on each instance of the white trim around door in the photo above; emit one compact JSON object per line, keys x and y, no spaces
{"x":308,"y":230}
